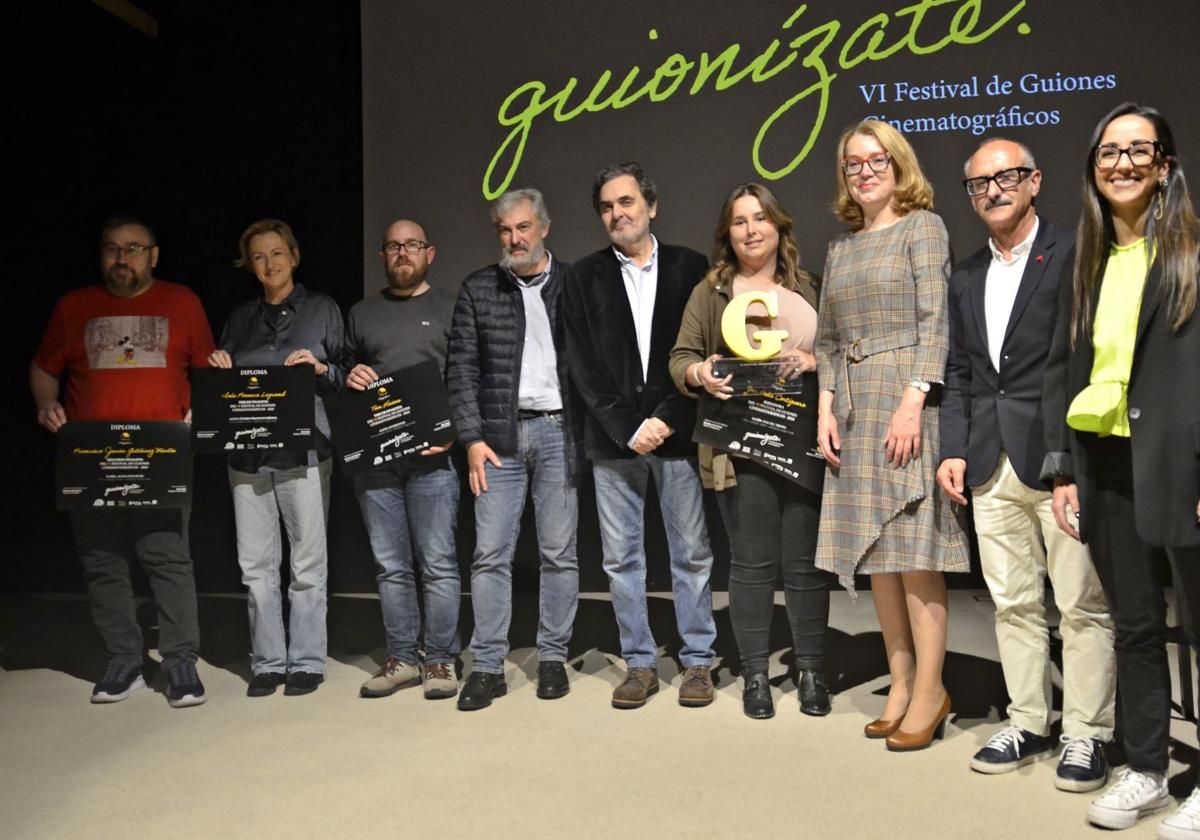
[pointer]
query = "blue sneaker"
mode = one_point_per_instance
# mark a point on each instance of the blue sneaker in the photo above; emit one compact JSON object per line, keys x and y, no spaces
{"x":1010,"y":748}
{"x":183,"y":683}
{"x":119,"y":681}
{"x":1082,"y":765}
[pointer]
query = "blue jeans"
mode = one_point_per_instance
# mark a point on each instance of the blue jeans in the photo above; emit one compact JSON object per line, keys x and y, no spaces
{"x":410,"y":511}
{"x":621,"y":503}
{"x":541,"y":459}
{"x":301,"y":496}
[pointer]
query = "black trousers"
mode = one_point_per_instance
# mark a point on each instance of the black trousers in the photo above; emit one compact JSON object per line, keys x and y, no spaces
{"x":772,"y":524}
{"x":107,"y":541}
{"x":1133,"y":583}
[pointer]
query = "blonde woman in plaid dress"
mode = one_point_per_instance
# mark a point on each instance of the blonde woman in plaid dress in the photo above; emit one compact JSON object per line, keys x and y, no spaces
{"x":881,"y":354}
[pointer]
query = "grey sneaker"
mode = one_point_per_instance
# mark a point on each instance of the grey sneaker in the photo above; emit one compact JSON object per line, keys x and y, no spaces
{"x":118,"y":682}
{"x":440,"y":681}
{"x":392,"y":676}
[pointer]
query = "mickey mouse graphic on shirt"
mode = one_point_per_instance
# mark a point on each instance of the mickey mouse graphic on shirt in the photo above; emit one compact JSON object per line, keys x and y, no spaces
{"x":126,"y":351}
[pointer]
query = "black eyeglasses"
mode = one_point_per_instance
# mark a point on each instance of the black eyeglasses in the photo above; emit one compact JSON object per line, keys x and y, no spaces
{"x":853,"y":165}
{"x":1006,"y":179}
{"x":133,"y":249}
{"x":1139,"y":152}
{"x":412,"y":246}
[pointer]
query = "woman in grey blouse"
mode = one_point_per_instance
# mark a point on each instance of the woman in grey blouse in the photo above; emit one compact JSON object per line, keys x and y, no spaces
{"x":285,"y":325}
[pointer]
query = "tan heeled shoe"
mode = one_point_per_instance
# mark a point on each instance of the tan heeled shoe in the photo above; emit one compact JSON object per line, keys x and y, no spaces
{"x":906,"y":741}
{"x":881,"y":728}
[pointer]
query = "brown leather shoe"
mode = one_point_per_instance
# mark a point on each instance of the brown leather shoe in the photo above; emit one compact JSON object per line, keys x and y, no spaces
{"x":901,"y":741}
{"x":639,"y":684}
{"x":696,"y":689}
{"x":881,"y":728}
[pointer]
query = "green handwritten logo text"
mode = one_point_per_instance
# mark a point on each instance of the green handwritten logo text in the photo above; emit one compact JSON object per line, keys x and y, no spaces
{"x":813,"y":49}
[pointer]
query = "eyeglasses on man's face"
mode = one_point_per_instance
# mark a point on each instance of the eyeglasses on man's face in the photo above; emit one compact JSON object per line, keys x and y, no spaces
{"x":1006,"y":179}
{"x":111,"y":250}
{"x":412,"y":246}
{"x":1139,"y":152}
{"x":853,"y":164}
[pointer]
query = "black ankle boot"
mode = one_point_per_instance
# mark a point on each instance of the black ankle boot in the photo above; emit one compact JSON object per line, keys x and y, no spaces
{"x":814,"y":693}
{"x":756,"y":696}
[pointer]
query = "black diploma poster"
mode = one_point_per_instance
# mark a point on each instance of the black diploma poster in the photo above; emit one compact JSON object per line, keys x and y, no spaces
{"x":123,"y":465}
{"x":239,"y":409}
{"x":775,"y":429}
{"x":397,"y":417}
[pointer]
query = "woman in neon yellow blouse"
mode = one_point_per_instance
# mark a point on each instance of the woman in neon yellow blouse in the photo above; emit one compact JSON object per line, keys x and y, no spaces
{"x":1122,"y":404}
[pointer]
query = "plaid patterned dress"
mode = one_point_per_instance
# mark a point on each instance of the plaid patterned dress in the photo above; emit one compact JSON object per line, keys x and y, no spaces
{"x":882,"y":325}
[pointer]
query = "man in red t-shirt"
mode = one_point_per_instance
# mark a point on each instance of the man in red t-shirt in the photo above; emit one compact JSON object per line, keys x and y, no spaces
{"x":126,"y":348}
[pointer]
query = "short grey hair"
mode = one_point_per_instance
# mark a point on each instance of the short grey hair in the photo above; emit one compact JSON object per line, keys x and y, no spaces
{"x":512,"y":198}
{"x":1026,"y":154}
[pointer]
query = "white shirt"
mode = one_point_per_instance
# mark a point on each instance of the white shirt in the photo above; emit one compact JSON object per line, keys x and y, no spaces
{"x":641,"y":287}
{"x":1000,"y":291}
{"x":538,"y":386}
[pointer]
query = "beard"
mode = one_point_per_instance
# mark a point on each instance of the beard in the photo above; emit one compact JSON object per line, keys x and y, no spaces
{"x":405,"y":281}
{"x":523,"y":263}
{"x":122,"y":279}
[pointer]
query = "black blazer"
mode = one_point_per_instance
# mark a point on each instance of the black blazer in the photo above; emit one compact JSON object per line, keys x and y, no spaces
{"x":603,"y":357}
{"x":1164,"y":418}
{"x":984,"y":410}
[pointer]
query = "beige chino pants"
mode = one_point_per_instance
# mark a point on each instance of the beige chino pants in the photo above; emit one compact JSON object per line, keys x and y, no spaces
{"x":1019,"y":543}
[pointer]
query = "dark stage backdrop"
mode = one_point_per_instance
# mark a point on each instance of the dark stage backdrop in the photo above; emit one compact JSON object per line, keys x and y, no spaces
{"x":339,"y":118}
{"x":707,"y":94}
{"x":462,"y":101}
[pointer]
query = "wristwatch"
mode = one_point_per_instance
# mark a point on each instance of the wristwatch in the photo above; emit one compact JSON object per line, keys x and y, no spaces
{"x":920,"y":385}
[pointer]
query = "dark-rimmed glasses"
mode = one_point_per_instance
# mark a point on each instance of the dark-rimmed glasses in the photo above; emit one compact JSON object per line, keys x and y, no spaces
{"x":412,"y":246}
{"x":853,"y":164}
{"x":1139,"y":152}
{"x":134,"y":249}
{"x":1006,"y":179}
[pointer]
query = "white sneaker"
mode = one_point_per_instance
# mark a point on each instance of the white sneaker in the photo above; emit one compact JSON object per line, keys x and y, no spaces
{"x":1134,"y":795}
{"x":1184,"y":824}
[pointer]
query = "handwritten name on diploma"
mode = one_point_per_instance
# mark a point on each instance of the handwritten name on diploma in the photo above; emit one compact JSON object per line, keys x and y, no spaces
{"x":254,"y":395}
{"x":126,"y":451}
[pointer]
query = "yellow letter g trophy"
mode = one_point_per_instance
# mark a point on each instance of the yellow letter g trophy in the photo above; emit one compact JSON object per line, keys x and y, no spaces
{"x":752,"y":370}
{"x":733,"y":327}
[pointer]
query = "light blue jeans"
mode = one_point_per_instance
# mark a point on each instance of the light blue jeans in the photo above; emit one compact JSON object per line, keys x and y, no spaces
{"x":621,"y":503}
{"x":541,"y":461}
{"x":411,"y":515}
{"x":301,"y":497}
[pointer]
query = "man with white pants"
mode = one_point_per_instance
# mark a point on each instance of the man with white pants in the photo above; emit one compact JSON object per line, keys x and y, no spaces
{"x":1003,"y":306}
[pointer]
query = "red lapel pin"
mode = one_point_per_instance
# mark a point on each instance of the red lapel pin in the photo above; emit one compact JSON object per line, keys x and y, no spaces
{"x":1038,"y":258}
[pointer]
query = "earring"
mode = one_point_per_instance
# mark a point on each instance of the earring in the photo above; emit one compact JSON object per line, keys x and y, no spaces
{"x":1158,"y":209}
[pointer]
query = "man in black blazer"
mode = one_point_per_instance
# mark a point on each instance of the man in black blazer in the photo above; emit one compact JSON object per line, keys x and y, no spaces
{"x":622,"y":306}
{"x":1003,"y":307}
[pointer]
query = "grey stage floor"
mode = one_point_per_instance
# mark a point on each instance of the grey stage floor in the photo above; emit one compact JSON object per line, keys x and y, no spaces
{"x":333,"y":765}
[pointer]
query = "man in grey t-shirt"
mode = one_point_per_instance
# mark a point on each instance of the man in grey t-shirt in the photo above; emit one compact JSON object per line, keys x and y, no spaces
{"x":409,"y":510}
